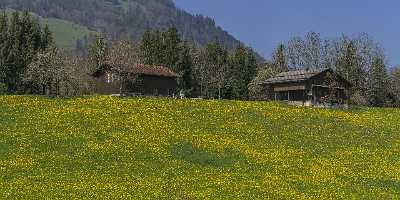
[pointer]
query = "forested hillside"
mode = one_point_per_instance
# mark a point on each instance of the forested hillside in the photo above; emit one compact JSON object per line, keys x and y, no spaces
{"x":128,"y":17}
{"x":66,"y":33}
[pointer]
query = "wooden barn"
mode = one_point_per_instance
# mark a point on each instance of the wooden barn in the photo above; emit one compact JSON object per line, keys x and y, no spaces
{"x":138,"y":80}
{"x":308,"y":87}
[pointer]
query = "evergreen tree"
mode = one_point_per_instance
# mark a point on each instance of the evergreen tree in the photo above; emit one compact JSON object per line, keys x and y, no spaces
{"x":167,"y":49}
{"x":25,"y":27}
{"x":378,"y":85}
{"x":47,"y":38}
{"x":152,"y":48}
{"x":251,"y":66}
{"x":14,"y":56}
{"x":3,"y":47}
{"x":279,"y":59}
{"x":34,"y":40}
{"x":3,"y":29}
{"x":98,"y":51}
{"x":199,"y":72}
{"x":171,"y":48}
{"x":184,"y":66}
{"x":21,"y":41}
{"x":215,"y":70}
{"x":146,"y":47}
{"x":243,"y":70}
{"x":348,"y":65}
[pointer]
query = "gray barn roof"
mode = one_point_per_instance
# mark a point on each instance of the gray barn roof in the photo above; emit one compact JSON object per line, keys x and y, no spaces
{"x":294,"y":76}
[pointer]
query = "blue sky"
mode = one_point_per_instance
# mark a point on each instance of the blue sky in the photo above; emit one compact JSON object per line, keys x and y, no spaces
{"x":262,"y":24}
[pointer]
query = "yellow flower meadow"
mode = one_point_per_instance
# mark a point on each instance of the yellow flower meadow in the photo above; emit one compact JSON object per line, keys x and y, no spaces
{"x":152,"y":148}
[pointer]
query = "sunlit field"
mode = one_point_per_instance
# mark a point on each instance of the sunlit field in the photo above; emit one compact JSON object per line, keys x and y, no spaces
{"x":112,"y":148}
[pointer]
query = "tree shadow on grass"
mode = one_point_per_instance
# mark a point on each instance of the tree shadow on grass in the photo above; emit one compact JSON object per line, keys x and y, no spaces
{"x":186,"y":151}
{"x":374,"y":183}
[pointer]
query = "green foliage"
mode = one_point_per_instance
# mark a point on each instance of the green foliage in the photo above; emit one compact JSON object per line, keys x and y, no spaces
{"x":163,"y":48}
{"x":23,"y":40}
{"x":167,"y":49}
{"x":379,"y":87}
{"x":257,"y":90}
{"x":3,"y":88}
{"x":4,"y":44}
{"x":279,"y":59}
{"x":65,"y":34}
{"x":185,"y":65}
{"x":97,"y":53}
{"x":278,"y":64}
{"x":124,"y":4}
{"x":171,"y":47}
{"x":221,"y":74}
{"x":243,"y":70}
{"x":212,"y":71}
{"x":47,"y":37}
{"x":349,"y":66}
{"x":152,"y":48}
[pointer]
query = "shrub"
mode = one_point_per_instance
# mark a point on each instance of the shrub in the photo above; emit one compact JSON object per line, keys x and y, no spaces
{"x":358,"y":99}
{"x":3,"y":88}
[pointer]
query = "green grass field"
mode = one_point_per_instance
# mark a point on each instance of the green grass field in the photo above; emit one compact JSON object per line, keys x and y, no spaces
{"x":124,"y":4}
{"x":67,"y":33}
{"x":112,"y":148}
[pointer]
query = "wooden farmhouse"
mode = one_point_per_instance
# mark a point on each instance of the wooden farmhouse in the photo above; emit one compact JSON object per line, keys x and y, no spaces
{"x":308,"y":87}
{"x":138,"y":80}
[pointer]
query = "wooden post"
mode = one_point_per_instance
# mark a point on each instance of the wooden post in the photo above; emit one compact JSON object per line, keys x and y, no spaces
{"x":314,"y":95}
{"x":288,"y":95}
{"x":276,"y":96}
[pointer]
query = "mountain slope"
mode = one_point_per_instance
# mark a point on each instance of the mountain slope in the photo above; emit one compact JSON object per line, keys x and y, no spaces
{"x":128,"y":17}
{"x":67,"y":33}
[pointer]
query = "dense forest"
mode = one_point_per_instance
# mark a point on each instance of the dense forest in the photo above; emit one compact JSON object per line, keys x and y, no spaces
{"x":121,"y":18}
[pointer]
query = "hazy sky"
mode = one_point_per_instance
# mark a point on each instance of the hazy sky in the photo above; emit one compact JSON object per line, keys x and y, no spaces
{"x":262,"y":24}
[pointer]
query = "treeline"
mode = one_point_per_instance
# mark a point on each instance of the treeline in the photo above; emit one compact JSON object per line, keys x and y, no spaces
{"x":359,"y":59}
{"x":31,"y":64}
{"x":209,"y":72}
{"x":21,"y":37}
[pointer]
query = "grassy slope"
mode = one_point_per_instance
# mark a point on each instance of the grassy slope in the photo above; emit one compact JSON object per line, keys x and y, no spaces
{"x":103,"y":147}
{"x":124,"y":4}
{"x":65,"y":33}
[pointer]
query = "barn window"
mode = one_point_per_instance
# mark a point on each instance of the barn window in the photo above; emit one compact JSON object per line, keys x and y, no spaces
{"x":109,"y":78}
{"x":114,"y":77}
